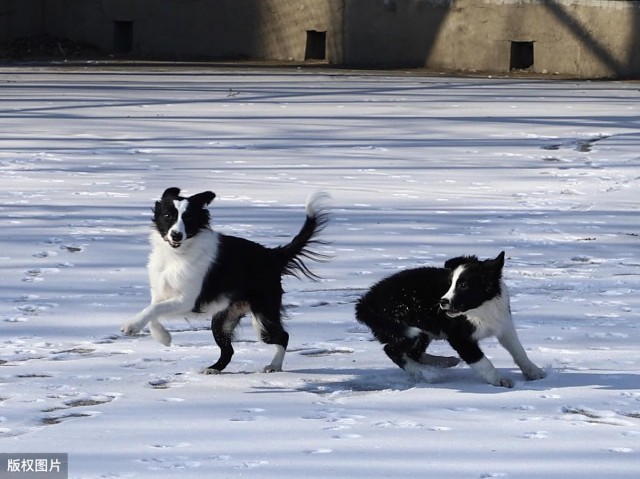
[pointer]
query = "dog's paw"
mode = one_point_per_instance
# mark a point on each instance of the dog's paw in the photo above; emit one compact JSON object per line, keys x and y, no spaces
{"x":210,"y":371}
{"x":271,"y":369}
{"x":503,"y":382}
{"x":414,"y":370}
{"x":130,"y":329}
{"x":159,"y":333}
{"x":534,"y":373}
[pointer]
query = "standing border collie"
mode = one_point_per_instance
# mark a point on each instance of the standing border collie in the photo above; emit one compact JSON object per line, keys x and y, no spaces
{"x":464,"y":302}
{"x":194,"y":269}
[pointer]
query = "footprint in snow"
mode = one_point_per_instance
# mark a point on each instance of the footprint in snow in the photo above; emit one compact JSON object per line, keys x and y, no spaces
{"x":169,"y":463}
{"x":535,"y":435}
{"x":171,"y":445}
{"x":72,"y":248}
{"x":74,"y":403}
{"x":249,"y":415}
{"x":251,"y":464}
{"x":35,"y":274}
{"x":318,"y":451}
{"x":31,"y":309}
{"x":593,"y":416}
{"x":165,"y":383}
{"x":620,"y":450}
{"x":44,"y":254}
{"x":439,"y":428}
{"x":401,"y":425}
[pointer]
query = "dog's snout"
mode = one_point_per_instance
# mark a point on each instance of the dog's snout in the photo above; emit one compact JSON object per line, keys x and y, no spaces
{"x":176,"y":236}
{"x":444,"y":303}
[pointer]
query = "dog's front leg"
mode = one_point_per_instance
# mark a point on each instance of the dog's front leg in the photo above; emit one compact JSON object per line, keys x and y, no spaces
{"x":489,"y":373}
{"x":169,"y":307}
{"x":470,"y":352}
{"x":509,"y":341}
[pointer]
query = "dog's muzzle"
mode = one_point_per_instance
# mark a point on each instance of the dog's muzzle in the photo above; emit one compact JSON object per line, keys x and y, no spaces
{"x":174,"y":238}
{"x":445,"y":305}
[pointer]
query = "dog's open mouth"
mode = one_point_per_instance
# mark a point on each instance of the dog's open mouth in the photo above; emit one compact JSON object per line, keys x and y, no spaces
{"x":449,"y":311}
{"x":173,"y":244}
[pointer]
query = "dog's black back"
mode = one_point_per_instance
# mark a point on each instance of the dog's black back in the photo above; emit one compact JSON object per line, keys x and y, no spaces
{"x":406,"y":299}
{"x":243,"y":271}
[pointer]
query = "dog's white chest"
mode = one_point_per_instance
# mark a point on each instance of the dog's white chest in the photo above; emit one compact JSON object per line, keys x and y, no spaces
{"x":179,"y":273}
{"x":491,"y":317}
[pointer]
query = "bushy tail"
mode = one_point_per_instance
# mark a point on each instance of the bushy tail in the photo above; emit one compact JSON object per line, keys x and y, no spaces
{"x":299,"y":249}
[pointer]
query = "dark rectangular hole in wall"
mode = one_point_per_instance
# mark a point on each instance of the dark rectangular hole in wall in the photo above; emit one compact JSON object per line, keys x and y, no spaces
{"x":122,"y":37}
{"x":521,"y":55}
{"x":316,"y":45}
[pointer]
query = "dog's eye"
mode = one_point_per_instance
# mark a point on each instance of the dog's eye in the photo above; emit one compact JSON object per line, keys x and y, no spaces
{"x":462,"y":285}
{"x":167,"y":216}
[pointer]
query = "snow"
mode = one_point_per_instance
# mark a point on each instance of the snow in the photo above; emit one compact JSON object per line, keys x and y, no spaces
{"x":420,"y":169}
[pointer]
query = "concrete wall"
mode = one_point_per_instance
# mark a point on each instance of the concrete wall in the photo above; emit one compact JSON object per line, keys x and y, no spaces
{"x":585,"y":38}
{"x":20,"y":18}
{"x":256,"y":29}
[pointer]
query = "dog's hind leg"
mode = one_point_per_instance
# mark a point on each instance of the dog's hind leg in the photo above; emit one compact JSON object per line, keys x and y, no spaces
{"x":399,"y":353}
{"x":223,"y":324}
{"x":417,"y":353}
{"x":270,"y":330}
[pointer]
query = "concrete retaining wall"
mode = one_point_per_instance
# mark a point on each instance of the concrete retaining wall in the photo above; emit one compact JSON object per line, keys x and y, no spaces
{"x":187,"y":29}
{"x":20,"y":18}
{"x":585,"y":38}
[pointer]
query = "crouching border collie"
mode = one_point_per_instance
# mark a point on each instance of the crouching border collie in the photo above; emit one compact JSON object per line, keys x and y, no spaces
{"x":194,"y":269}
{"x":464,"y":302}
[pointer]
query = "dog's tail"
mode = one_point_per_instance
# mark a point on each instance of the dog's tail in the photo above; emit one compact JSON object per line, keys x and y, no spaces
{"x":293,"y":254}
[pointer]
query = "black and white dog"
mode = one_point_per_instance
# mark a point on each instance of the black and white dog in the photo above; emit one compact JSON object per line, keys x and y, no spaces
{"x":464,"y":302}
{"x":194,"y":269}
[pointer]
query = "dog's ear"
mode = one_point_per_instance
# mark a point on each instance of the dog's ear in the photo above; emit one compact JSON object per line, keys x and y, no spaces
{"x":493,"y":272}
{"x":495,"y":264}
{"x":453,"y":263}
{"x":171,"y":193}
{"x":203,"y":199}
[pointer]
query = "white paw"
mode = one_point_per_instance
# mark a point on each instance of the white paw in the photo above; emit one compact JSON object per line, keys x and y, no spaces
{"x":534,"y":373}
{"x":503,"y":382}
{"x":211,"y":371}
{"x":160,"y":334}
{"x":271,"y":369}
{"x":414,"y":370}
{"x":130,"y":328}
{"x":163,"y":338}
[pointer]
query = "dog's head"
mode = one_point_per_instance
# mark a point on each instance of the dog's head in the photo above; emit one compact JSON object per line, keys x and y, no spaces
{"x":177,"y":219}
{"x":472,"y":283}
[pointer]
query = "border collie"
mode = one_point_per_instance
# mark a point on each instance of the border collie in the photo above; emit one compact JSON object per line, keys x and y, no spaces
{"x":464,"y":302}
{"x":194,"y":269}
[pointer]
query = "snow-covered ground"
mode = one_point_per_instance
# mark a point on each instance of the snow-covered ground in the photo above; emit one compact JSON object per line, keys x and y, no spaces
{"x":420,"y":169}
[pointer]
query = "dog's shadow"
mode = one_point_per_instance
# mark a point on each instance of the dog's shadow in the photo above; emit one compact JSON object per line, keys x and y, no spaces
{"x":354,"y":382}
